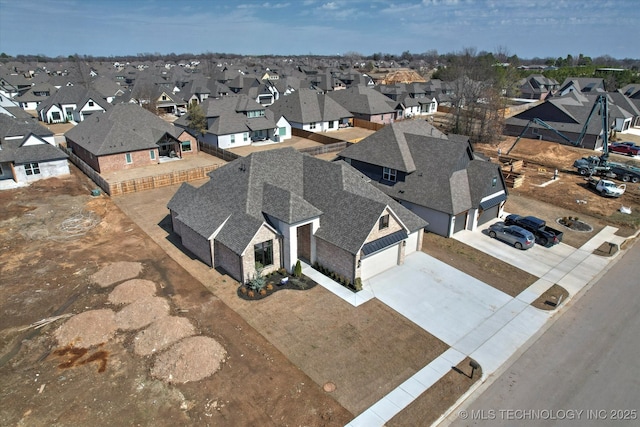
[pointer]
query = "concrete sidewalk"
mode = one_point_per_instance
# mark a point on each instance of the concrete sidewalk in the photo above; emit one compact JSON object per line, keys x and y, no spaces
{"x":493,"y":334}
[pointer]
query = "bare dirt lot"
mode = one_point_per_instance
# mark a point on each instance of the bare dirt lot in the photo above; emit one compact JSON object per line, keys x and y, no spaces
{"x":47,"y":271}
{"x":568,"y":195}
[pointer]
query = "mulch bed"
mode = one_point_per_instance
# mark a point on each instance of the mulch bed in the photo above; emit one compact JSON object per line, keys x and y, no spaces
{"x":275,"y":279}
{"x":575,"y":224}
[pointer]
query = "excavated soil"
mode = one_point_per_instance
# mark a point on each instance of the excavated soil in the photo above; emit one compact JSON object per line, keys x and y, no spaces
{"x":82,"y":370}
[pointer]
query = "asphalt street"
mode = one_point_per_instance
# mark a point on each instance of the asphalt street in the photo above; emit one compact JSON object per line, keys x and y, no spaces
{"x":584,"y":370}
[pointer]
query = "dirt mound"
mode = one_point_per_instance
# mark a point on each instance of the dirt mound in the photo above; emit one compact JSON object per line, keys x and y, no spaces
{"x":191,"y":359}
{"x":87,"y":329}
{"x":116,"y":272}
{"x":132,"y":291}
{"x":141,"y":313}
{"x":161,"y":334}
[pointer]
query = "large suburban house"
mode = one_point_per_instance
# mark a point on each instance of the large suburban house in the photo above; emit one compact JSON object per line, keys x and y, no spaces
{"x":28,"y":153}
{"x":237,"y":120}
{"x":537,"y":87}
{"x":71,"y":103}
{"x":275,"y":207}
{"x":128,"y":136}
{"x":309,"y":110}
{"x":437,"y":177}
{"x":566,"y":120}
{"x":366,"y":103}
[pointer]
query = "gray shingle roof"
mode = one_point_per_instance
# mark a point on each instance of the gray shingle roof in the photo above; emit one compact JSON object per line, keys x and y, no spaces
{"x":13,"y":149}
{"x":362,"y":100}
{"x":565,"y":114}
{"x":10,"y":126}
{"x":124,"y":128}
{"x":444,"y":176}
{"x":289,"y":186}
{"x":73,"y":95}
{"x":307,"y":106}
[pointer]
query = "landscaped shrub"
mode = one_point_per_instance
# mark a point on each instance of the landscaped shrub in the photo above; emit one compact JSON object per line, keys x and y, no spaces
{"x":298,"y":269}
{"x":299,"y":284}
{"x":358,"y":284}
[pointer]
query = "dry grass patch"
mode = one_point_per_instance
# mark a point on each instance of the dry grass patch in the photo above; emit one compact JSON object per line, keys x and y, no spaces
{"x":438,"y":398}
{"x":492,"y":271}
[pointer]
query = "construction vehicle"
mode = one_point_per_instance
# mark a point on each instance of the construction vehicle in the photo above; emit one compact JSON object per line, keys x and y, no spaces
{"x":592,"y":165}
{"x":599,"y":105}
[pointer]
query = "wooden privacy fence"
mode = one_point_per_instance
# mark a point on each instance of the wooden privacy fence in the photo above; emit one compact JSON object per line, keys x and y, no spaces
{"x":315,"y":137}
{"x":86,"y":169}
{"x":140,"y":184}
{"x":329,"y":148}
{"x":161,"y":180}
{"x":220,"y":153}
{"x":367,"y":124}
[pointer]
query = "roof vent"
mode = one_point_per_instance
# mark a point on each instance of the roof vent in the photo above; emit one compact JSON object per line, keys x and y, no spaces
{"x":242,"y":167}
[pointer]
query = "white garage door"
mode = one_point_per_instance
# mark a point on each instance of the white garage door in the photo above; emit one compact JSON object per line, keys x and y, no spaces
{"x":379,"y":262}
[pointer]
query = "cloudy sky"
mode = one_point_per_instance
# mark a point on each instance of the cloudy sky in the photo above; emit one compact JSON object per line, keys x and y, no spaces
{"x":527,"y":28}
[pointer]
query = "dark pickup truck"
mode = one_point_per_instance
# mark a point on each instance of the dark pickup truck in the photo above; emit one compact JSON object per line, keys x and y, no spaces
{"x":545,"y":235}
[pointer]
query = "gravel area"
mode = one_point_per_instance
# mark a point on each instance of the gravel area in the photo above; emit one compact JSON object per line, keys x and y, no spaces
{"x":87,"y":329}
{"x":191,"y":359}
{"x":161,"y":334}
{"x":132,"y":291}
{"x":116,"y":272}
{"x":142,"y":313}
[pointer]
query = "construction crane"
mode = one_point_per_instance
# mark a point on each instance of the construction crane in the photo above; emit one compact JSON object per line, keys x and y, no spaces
{"x":599,"y":105}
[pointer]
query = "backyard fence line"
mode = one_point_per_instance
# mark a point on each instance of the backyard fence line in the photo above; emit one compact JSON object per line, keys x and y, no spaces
{"x":140,"y":184}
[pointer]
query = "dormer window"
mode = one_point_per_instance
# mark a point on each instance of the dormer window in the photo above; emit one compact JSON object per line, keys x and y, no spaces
{"x":255,"y":113}
{"x":389,"y":174}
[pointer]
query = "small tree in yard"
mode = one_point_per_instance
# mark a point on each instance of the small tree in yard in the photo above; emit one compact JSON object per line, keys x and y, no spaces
{"x":259,"y":281}
{"x":196,"y":118}
{"x":298,"y":269}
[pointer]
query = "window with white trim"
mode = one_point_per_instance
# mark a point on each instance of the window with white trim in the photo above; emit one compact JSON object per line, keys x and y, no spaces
{"x":312,"y":125}
{"x":152,"y":154}
{"x":128,"y":158}
{"x":186,"y":146}
{"x":233,"y":139}
{"x":32,"y":168}
{"x":389,"y":174}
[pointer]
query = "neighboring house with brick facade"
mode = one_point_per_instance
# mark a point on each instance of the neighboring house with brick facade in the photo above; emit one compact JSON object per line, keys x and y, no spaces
{"x":366,"y":103}
{"x":128,"y":136}
{"x":277,"y":206}
{"x":437,"y":177}
{"x":28,"y":153}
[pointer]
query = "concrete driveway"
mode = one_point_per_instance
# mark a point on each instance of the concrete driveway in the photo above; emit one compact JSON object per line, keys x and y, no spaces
{"x":444,"y":301}
{"x":538,"y":260}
